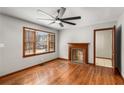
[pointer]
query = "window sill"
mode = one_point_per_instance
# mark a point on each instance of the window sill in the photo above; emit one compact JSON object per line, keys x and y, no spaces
{"x":24,"y":56}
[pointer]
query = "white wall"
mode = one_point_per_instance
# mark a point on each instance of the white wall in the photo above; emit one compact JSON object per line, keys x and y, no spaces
{"x":82,"y":34}
{"x":12,"y":60}
{"x":104,"y":44}
{"x":121,"y":22}
{"x":0,"y":44}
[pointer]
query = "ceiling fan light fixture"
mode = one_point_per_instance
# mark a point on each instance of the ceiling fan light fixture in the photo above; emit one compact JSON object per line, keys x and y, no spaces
{"x":59,"y":18}
{"x":58,"y":21}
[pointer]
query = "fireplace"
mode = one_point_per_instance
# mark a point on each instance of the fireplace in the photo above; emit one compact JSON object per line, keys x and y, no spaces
{"x":78,"y":52}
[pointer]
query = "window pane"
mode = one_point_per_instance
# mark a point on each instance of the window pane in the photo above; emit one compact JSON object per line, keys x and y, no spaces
{"x":52,"y":42}
{"x":41,"y":42}
{"x":29,"y":42}
{"x":29,"y":48}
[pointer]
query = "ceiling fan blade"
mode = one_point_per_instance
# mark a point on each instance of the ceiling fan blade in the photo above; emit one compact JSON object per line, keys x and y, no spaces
{"x":45,"y":19}
{"x":39,"y":10}
{"x":51,"y":23}
{"x":68,"y":22}
{"x":61,"y":24}
{"x":71,"y":18}
{"x":61,"y":12}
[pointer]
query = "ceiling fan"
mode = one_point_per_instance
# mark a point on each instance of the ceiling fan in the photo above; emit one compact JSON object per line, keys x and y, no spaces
{"x":58,"y":19}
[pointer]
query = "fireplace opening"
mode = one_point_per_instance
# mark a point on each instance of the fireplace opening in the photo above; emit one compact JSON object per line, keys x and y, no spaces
{"x":77,"y":55}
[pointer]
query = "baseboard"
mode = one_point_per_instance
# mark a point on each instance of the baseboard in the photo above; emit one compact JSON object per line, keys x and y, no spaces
{"x":121,"y":74}
{"x":27,"y":68}
{"x":104,"y":58}
{"x":63,"y":59}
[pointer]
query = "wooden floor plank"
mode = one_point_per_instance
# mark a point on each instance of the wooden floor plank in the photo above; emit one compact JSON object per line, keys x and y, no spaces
{"x":61,"y":72}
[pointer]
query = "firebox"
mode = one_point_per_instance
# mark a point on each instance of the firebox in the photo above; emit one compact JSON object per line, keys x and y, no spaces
{"x":76,"y":55}
{"x":78,"y":52}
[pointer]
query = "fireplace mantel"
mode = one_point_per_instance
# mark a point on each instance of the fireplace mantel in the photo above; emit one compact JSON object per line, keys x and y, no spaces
{"x":83,"y":46}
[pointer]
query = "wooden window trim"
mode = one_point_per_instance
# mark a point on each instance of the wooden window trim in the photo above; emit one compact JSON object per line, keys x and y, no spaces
{"x":34,"y":45}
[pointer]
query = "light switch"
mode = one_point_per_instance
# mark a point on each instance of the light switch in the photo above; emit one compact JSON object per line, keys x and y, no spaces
{"x":1,"y":45}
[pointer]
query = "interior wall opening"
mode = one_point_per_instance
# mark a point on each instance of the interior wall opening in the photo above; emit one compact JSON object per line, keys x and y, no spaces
{"x":104,"y":47}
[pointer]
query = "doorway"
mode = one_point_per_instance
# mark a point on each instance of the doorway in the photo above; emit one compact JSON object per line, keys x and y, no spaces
{"x":104,"y":47}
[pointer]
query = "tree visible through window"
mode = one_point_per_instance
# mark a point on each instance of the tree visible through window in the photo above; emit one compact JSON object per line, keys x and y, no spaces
{"x":37,"y":42}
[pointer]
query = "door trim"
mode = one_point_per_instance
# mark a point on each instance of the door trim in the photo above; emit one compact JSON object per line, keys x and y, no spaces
{"x":113,"y":29}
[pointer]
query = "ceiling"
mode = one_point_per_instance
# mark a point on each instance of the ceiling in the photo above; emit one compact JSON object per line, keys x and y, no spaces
{"x":89,"y":15}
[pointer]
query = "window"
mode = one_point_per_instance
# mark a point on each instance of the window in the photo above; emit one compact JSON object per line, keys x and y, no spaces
{"x":37,"y":42}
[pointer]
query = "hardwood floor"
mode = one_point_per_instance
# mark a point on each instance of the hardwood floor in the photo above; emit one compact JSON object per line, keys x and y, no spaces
{"x":62,"y":72}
